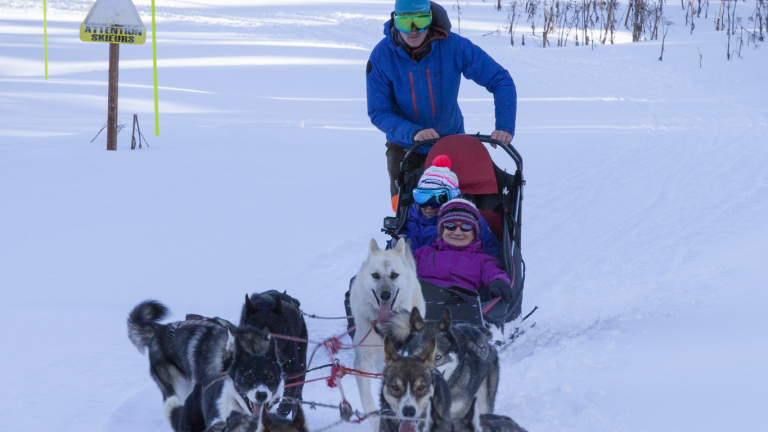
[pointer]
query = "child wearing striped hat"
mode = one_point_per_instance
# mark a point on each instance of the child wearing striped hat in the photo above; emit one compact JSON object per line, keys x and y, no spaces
{"x":457,"y":257}
{"x":437,"y":186}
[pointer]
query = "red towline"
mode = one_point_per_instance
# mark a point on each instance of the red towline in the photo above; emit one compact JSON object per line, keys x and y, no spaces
{"x":332,"y":346}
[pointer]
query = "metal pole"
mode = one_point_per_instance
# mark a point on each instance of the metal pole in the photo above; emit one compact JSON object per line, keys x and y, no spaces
{"x":133,"y":133}
{"x":114,"y":57}
{"x":45,"y":36}
{"x":154,"y":69}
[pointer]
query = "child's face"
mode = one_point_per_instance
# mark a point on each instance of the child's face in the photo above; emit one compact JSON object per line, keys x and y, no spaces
{"x":457,"y":237}
{"x":429,"y":211}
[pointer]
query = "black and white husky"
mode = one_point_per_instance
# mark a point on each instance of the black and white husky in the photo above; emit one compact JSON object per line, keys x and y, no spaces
{"x":409,"y":384}
{"x":464,"y":356}
{"x":281,"y":315}
{"x":185,"y":353}
{"x":250,"y":384}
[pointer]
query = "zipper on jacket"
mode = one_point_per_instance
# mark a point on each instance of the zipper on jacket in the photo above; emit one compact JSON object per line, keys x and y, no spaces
{"x":413,"y":96}
{"x":429,"y":81}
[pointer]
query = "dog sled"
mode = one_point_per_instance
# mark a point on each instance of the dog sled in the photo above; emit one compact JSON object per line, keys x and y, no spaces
{"x":498,"y":196}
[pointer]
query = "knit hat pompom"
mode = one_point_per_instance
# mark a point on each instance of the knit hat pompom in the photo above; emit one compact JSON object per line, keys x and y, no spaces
{"x":459,"y":211}
{"x":442,"y":161}
{"x":439,"y":175}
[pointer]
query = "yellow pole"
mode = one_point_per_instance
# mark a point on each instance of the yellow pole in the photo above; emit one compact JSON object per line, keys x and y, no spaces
{"x":45,"y":36}
{"x":154,"y":68}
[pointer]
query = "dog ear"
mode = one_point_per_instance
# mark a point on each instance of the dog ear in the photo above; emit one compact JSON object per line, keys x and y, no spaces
{"x":239,"y":352}
{"x":278,"y":306}
{"x":298,"y":421}
{"x":403,"y":247}
{"x":428,"y":353}
{"x":248,"y":308}
{"x":400,"y":245}
{"x":445,"y":321}
{"x":373,"y":247}
{"x":472,"y":418}
{"x":408,"y":254}
{"x":416,"y":322}
{"x":274,"y":352}
{"x":231,"y":341}
{"x":434,"y":414}
{"x":390,"y":353}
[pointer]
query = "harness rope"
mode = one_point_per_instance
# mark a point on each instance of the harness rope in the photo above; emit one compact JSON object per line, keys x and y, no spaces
{"x":346,"y":412}
{"x":325,"y":318}
{"x":332,"y":346}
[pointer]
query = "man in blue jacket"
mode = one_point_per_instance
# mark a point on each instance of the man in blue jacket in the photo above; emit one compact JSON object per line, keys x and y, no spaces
{"x":413,"y":78}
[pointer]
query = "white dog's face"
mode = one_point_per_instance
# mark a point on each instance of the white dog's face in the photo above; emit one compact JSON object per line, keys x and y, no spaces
{"x":381,"y":277}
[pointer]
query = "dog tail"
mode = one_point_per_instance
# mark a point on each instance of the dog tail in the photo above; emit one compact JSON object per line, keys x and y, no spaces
{"x":143,"y":322}
{"x":398,"y":326}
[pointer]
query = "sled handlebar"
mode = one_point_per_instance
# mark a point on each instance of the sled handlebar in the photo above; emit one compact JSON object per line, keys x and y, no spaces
{"x":509,"y":148}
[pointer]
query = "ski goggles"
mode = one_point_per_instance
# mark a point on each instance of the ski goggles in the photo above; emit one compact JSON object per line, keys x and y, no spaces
{"x":434,"y":196}
{"x":450,"y":226}
{"x":409,"y":22}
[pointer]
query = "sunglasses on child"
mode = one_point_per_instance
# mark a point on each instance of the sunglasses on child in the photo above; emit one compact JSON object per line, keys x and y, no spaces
{"x":409,"y":22}
{"x":450,"y":226}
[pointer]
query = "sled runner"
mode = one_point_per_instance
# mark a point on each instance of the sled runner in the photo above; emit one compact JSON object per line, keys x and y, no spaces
{"x":498,"y":196}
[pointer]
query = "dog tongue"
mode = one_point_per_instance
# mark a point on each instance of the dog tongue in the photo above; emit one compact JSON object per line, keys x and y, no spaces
{"x":407,"y":426}
{"x":256,"y":408}
{"x":384,"y":310}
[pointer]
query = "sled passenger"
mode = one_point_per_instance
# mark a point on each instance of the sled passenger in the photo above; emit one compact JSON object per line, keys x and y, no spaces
{"x":457,"y":258}
{"x":413,"y":78}
{"x":436,"y":186}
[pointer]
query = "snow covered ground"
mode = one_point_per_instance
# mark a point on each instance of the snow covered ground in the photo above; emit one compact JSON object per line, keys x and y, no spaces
{"x":645,"y":213}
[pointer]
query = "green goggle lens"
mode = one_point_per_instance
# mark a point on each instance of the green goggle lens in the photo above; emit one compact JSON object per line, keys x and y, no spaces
{"x":413,"y":21}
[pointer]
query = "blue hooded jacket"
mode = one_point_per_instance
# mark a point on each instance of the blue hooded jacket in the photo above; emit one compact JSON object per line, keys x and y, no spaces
{"x":406,"y":95}
{"x":422,"y":231}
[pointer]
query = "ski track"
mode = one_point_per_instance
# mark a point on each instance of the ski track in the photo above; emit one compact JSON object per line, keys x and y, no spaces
{"x":644,"y":219}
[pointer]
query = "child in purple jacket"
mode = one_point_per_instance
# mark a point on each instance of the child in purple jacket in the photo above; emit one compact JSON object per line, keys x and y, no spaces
{"x":437,"y":185}
{"x":457,"y":257}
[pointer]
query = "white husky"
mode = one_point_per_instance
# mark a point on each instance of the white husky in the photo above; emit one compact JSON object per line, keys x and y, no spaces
{"x":386,"y":284}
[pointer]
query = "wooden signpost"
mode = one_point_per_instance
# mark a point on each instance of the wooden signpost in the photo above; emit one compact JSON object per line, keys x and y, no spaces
{"x":114,"y":22}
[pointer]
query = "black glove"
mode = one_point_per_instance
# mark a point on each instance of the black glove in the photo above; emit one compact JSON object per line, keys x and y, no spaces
{"x":499,"y":288}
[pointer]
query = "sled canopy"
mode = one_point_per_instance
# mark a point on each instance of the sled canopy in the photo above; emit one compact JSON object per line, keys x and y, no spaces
{"x":470,"y":161}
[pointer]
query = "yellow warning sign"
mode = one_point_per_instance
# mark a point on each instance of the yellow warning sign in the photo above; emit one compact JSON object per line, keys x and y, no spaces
{"x":113,"y":21}
{"x":113,"y":34}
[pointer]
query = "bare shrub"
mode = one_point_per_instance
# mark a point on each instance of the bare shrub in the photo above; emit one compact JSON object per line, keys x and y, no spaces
{"x":513,"y":16}
{"x":549,"y":22}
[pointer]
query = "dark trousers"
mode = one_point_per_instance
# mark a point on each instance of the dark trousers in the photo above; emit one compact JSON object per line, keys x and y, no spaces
{"x":395,"y":155}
